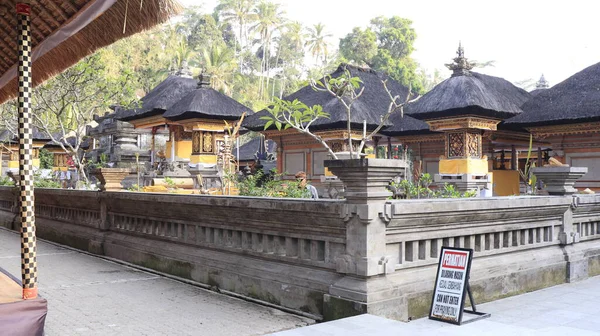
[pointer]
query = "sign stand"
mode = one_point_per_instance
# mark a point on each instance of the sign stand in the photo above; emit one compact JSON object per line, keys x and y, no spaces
{"x":480,"y":315}
{"x":451,"y":287}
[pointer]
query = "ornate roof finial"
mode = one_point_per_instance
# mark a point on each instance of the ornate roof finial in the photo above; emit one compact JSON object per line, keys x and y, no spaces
{"x":542,"y":83}
{"x":461,"y":51}
{"x":461,"y":65}
{"x":203,"y":80}
{"x":184,"y":71}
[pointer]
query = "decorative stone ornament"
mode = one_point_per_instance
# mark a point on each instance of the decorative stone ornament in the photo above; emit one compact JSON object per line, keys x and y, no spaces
{"x":366,"y":179}
{"x":559,"y":180}
{"x":110,"y":178}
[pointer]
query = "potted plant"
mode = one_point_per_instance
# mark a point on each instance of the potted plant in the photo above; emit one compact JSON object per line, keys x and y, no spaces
{"x":109,"y":178}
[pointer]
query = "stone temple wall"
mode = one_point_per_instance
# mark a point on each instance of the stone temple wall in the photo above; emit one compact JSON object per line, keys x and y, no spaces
{"x":330,"y":259}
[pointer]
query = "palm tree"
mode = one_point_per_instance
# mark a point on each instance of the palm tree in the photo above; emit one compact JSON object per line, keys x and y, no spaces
{"x":242,"y":13}
{"x":291,"y":36}
{"x":316,"y":41}
{"x":219,"y":62}
{"x":269,"y":18}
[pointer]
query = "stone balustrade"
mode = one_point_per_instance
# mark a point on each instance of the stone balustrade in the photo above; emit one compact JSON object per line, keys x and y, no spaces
{"x":329,"y":258}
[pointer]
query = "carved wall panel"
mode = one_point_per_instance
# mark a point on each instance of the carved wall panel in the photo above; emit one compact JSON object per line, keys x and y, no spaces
{"x":473,"y":145}
{"x":196,"y":142}
{"x":456,"y":145}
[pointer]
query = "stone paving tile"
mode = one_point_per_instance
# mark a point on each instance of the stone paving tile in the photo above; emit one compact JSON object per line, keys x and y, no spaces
{"x":569,"y":309}
{"x":91,"y":296}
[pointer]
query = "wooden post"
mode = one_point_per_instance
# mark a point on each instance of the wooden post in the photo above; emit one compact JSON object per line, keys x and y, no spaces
{"x":540,"y":163}
{"x":513,"y":158}
{"x":389,"y":153}
{"x":26,"y":153}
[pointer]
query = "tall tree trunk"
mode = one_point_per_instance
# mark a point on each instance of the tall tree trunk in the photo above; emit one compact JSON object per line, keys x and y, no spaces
{"x":276,"y":64}
{"x":241,"y":56}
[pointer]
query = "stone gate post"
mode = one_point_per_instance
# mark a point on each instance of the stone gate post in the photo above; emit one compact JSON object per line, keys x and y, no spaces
{"x":364,"y":288}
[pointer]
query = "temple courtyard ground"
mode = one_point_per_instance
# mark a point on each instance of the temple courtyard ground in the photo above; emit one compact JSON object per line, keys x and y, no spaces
{"x":88,"y":295}
{"x":92,"y":296}
{"x":565,"y":310}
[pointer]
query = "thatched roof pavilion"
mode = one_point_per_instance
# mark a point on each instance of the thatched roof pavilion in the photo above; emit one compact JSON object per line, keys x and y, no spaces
{"x":470,"y":94}
{"x":159,"y":99}
{"x":205,"y":102}
{"x":373,"y":103}
{"x":64,"y":31}
{"x":574,"y":100}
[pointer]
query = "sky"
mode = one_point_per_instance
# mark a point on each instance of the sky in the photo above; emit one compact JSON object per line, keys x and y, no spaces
{"x":525,"y":38}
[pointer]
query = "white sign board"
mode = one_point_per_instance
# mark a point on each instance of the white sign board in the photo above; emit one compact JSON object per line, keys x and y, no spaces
{"x":451,"y":285}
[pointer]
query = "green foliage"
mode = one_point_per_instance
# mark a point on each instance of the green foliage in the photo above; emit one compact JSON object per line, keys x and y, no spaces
{"x":6,"y":181}
{"x":40,"y":182}
{"x":421,"y":189}
{"x":285,"y":114}
{"x":46,"y":159}
{"x":170,"y":183}
{"x":527,"y":177}
{"x":386,"y":45}
{"x":360,"y":46}
{"x":134,"y":187}
{"x":101,"y":163}
{"x":258,"y":185}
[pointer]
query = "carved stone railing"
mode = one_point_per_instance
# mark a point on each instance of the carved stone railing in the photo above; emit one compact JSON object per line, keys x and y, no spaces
{"x":418,"y":229}
{"x":330,"y":258}
{"x":586,"y":217}
{"x":297,"y":231}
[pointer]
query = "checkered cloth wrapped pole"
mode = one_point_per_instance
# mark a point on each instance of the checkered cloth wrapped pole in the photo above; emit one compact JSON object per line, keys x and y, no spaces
{"x":26,"y":199}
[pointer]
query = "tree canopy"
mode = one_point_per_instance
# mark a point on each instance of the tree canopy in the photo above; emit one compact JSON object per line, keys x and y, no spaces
{"x":385,"y":45}
{"x":252,"y":50}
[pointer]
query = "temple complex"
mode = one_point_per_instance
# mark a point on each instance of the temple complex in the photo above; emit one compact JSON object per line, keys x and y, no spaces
{"x":150,"y":115}
{"x":467,"y":108}
{"x":567,"y":117}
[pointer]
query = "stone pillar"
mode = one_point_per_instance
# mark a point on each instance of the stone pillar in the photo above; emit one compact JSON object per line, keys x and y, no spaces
{"x":365,"y":287}
{"x":577,"y":263}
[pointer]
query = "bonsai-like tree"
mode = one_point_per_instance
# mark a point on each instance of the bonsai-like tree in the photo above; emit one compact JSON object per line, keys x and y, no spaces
{"x":347,"y":90}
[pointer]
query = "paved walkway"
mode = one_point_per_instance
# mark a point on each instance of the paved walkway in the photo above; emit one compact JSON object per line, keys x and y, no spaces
{"x":565,"y":310}
{"x":92,"y":296}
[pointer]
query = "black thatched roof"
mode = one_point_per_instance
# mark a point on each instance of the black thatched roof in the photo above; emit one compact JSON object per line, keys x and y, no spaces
{"x":85,"y":143}
{"x":373,"y":103}
{"x":9,"y":136}
{"x":206,"y":102}
{"x":248,"y":150}
{"x":163,"y":96}
{"x":576,"y":99}
{"x":473,"y":94}
{"x":405,"y":125}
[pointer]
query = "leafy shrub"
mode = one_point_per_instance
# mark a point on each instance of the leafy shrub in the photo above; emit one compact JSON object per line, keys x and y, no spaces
{"x":261,"y":185}
{"x":420,"y":189}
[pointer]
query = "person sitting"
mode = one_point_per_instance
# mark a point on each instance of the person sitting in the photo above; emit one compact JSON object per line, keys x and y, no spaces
{"x":301,"y":177}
